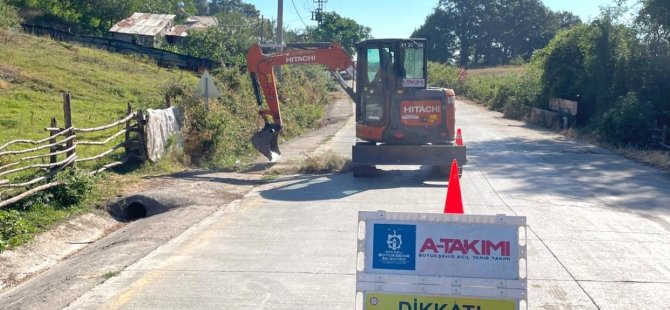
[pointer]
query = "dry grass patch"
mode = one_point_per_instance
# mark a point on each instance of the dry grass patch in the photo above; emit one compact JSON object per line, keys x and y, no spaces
{"x":329,"y":162}
{"x":656,"y":158}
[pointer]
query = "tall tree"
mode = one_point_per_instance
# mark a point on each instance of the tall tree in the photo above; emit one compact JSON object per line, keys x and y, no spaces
{"x":337,"y":28}
{"x":491,"y":32}
{"x":656,"y":12}
{"x":442,"y":42}
{"x":233,"y":6}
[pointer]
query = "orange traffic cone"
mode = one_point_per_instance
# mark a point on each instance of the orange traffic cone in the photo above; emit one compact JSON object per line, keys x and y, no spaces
{"x":454,"y":203}
{"x":459,"y":137}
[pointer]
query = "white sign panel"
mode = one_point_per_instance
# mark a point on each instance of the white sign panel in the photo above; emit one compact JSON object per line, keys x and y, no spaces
{"x":442,"y":245}
{"x":206,"y":88}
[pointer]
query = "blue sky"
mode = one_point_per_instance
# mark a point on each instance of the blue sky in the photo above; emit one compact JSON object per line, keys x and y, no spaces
{"x":394,"y":18}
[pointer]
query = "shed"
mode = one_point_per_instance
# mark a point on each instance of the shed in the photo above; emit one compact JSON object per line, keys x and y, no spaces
{"x":142,"y":28}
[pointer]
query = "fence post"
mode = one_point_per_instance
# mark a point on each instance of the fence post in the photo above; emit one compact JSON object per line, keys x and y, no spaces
{"x":127,"y":138}
{"x":54,"y":124}
{"x":67,"y":113}
{"x":142,"y":147}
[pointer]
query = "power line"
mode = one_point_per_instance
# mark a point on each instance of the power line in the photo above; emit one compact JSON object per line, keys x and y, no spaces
{"x":296,"y":11}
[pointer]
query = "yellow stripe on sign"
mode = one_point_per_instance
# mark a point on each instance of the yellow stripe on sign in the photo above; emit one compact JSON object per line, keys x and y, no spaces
{"x":379,"y":301}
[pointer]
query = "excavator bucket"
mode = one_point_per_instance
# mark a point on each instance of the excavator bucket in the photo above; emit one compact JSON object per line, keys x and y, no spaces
{"x":265,"y":141}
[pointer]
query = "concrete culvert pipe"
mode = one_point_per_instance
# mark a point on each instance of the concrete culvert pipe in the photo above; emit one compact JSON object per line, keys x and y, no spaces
{"x":136,"y":210}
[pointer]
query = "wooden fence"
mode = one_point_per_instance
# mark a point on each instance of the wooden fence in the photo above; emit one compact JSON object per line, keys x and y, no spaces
{"x":162,"y":57}
{"x":30,"y":166}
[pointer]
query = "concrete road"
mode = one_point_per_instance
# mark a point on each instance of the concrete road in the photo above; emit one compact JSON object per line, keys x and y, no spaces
{"x":599,"y":229}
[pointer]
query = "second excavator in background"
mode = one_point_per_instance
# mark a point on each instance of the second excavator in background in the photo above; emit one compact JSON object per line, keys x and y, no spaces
{"x":399,"y":119}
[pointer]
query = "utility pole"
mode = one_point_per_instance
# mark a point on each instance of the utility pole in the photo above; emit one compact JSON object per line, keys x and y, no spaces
{"x":280,"y":32}
{"x":317,"y":14}
{"x":280,"y":25}
{"x":262,"y":26}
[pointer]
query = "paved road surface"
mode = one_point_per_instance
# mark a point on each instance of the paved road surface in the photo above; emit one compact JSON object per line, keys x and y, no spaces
{"x":599,"y":229}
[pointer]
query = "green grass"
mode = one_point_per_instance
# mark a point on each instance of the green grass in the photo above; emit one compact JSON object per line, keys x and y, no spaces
{"x":110,"y":274}
{"x":34,"y":72}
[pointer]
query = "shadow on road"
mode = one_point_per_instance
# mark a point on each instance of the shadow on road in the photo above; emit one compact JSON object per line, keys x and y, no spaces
{"x":336,"y":186}
{"x":566,"y":168}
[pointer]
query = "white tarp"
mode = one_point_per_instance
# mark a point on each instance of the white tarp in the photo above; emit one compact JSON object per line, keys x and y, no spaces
{"x":163,"y":126}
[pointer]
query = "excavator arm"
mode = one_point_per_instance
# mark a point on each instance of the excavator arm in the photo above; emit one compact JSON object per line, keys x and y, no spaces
{"x":260,"y":67}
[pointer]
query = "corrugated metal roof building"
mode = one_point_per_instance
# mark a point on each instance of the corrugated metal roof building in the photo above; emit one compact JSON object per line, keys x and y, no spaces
{"x":193,"y":23}
{"x":142,"y":28}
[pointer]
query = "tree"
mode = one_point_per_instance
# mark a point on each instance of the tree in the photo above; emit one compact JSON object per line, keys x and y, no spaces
{"x":97,"y":15}
{"x":656,"y":12}
{"x":490,"y":32}
{"x":233,"y":6}
{"x":227,"y":43}
{"x":442,"y":43}
{"x":337,"y":28}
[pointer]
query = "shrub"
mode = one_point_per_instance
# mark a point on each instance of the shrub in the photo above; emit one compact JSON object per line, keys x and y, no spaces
{"x":219,"y":138}
{"x":12,"y":228}
{"x":511,"y":93}
{"x":628,"y":122}
{"x":76,"y":185}
{"x":9,"y":16}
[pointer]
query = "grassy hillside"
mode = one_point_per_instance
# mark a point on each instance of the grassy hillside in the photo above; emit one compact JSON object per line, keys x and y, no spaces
{"x":35,"y":71}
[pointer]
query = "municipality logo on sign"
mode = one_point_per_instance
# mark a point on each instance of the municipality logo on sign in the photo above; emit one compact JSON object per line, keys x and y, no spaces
{"x":395,"y":241}
{"x":394,"y":247}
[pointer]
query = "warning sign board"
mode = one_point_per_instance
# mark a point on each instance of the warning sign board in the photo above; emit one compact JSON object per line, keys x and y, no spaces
{"x":472,"y":261}
{"x":375,"y":300}
{"x":443,"y":245}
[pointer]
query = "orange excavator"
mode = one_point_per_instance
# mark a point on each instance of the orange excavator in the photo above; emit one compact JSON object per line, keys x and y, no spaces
{"x":399,"y":120}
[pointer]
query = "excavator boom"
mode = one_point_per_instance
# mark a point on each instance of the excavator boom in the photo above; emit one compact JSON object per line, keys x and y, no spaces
{"x":260,"y":67}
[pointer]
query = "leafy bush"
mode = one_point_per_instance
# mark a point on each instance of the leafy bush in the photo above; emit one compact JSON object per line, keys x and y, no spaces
{"x":219,"y":137}
{"x":76,"y":185}
{"x":511,"y":93}
{"x":12,"y":228}
{"x":628,"y":122}
{"x":9,"y":16}
{"x":593,"y":64}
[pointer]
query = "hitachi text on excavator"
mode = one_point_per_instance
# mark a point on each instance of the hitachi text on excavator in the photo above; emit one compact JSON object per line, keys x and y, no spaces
{"x":399,"y":119}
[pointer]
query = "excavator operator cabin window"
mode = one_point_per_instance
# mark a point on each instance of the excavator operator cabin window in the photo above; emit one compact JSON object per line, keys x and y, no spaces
{"x":373,"y":63}
{"x":414,"y":63}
